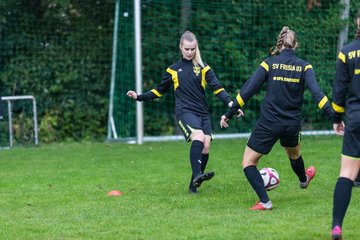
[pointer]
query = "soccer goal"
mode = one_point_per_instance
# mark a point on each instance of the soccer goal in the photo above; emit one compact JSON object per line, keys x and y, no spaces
{"x":19,"y":123}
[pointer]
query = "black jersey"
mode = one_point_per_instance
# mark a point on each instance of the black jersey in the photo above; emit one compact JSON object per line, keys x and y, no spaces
{"x":286,"y":76}
{"x":346,"y":86}
{"x":189,"y":83}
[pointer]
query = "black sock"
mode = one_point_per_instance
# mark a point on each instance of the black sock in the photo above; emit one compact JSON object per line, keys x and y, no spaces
{"x":298,"y":168}
{"x":205,"y":158}
{"x":257,"y":183}
{"x":191,"y":185}
{"x":195,"y":156}
{"x":342,"y":196}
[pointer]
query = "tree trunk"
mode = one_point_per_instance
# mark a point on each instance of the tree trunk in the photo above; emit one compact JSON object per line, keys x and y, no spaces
{"x":344,"y":15}
{"x":186,"y":11}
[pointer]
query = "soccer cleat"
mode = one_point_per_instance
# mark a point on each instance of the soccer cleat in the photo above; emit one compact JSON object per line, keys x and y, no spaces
{"x":336,"y":233}
{"x":192,"y":189}
{"x":310,"y":174}
{"x":197,"y":181}
{"x":260,"y":206}
{"x":209,"y":175}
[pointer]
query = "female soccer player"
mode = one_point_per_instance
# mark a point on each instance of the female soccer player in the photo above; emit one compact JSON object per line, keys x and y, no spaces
{"x":286,"y":76}
{"x":189,"y":76}
{"x":346,"y":99}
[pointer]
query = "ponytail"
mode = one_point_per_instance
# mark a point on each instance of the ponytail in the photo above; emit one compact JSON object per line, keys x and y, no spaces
{"x":286,"y":39}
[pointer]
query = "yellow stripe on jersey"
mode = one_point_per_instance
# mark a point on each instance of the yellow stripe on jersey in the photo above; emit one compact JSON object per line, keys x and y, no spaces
{"x":307,"y":67}
{"x":219,"y":90}
{"x":357,"y":71}
{"x":156,"y":92}
{"x":240,"y":100}
{"x":337,"y":108}
{"x":203,"y":74}
{"x":174,"y":77}
{"x":265,"y":66}
{"x":342,"y":57}
{"x":323,"y":102}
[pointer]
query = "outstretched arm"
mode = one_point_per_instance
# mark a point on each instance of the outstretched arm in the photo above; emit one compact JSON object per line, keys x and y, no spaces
{"x":132,"y":94}
{"x":156,"y":92}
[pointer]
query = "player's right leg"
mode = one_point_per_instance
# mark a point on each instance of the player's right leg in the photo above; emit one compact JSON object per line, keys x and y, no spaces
{"x":250,"y":160}
{"x":349,"y":170}
{"x":342,"y":193}
{"x":260,"y":143}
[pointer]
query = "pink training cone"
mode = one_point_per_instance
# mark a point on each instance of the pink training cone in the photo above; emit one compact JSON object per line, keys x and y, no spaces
{"x":114,"y":193}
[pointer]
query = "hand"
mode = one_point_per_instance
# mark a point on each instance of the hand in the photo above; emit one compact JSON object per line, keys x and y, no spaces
{"x":132,"y":94}
{"x":339,"y":128}
{"x":223,"y":122}
{"x":239,"y":113}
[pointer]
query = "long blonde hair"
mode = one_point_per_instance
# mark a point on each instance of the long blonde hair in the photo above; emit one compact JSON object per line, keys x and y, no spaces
{"x":189,"y":36}
{"x":287,"y":39}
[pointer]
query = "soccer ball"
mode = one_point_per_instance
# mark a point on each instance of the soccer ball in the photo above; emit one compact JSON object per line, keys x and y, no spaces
{"x":270,"y":177}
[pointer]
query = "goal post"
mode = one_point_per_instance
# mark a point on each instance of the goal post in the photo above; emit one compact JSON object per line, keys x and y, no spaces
{"x":10,"y":101}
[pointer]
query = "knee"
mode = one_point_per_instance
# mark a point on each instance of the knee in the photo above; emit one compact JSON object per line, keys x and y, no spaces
{"x":206,"y":148}
{"x":294,"y":156}
{"x":247,"y":162}
{"x":198,"y":136}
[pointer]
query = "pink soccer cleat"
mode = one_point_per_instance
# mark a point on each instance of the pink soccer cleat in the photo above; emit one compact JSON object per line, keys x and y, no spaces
{"x":336,"y":233}
{"x":261,"y":206}
{"x":310,"y":174}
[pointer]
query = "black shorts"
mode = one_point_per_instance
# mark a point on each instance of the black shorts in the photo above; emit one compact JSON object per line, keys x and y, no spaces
{"x":190,"y":122}
{"x":265,"y":135}
{"x":351,"y":141}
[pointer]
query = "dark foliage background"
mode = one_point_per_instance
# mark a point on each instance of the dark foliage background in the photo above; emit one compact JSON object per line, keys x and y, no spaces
{"x":60,"y":51}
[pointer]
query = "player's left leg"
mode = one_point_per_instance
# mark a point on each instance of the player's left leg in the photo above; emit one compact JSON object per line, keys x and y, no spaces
{"x":207,"y":129}
{"x":205,"y":152}
{"x":290,"y":140}
{"x":297,"y":165}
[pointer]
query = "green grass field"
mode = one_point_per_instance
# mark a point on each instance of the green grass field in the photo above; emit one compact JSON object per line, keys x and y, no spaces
{"x":59,"y":191}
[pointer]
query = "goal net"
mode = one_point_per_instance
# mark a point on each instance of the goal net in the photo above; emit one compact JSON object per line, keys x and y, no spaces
{"x":234,"y":37}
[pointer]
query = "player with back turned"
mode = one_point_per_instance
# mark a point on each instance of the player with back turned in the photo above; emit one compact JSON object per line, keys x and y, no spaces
{"x":285,"y":76}
{"x":346,"y":100}
{"x":189,"y":76}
